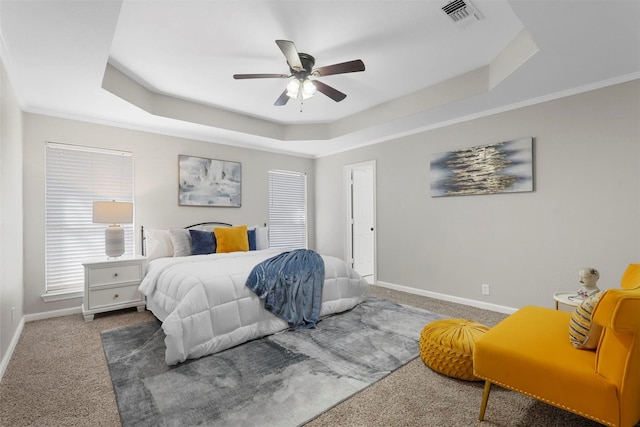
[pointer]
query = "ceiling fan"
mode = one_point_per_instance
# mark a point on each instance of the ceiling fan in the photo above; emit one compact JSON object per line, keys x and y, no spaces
{"x":301,"y":66}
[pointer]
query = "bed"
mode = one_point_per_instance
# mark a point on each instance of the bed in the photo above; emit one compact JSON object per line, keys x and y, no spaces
{"x":202,"y":300}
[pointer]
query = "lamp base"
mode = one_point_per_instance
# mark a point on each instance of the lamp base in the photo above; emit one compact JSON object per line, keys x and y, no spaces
{"x":114,"y":241}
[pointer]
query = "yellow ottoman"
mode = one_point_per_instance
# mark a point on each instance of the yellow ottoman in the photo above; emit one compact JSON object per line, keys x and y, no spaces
{"x":446,"y":346}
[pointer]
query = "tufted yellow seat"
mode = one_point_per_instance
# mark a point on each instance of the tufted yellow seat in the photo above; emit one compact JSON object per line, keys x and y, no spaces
{"x":446,"y":346}
{"x":530,"y":352}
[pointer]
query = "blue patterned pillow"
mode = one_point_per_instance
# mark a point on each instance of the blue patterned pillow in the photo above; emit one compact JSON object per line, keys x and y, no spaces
{"x":202,"y":242}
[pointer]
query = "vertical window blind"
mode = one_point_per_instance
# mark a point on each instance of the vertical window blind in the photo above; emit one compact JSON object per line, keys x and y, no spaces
{"x":76,"y":177}
{"x":287,"y":209}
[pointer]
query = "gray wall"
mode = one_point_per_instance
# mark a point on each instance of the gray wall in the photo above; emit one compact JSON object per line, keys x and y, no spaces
{"x":585,"y":211}
{"x":156,"y":186}
{"x":10,"y":214}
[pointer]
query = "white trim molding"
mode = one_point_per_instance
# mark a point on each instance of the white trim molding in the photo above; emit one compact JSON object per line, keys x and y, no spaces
{"x":63,"y":295}
{"x":52,"y":314}
{"x":12,"y":346}
{"x":450,"y":298}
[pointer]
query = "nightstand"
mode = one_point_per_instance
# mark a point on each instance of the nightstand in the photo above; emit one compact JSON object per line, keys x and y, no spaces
{"x":112,"y":285}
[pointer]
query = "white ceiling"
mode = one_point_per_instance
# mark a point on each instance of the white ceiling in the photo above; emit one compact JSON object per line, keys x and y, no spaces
{"x":167,"y":66}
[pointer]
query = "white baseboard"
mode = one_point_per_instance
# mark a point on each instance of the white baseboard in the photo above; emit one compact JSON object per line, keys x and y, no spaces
{"x":450,"y":298}
{"x":12,"y":347}
{"x":51,"y":314}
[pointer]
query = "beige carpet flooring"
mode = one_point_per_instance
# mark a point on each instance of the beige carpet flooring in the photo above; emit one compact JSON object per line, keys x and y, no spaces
{"x":58,"y":376}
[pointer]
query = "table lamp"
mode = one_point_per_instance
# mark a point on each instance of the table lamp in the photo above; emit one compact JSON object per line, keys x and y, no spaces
{"x":113,"y":213}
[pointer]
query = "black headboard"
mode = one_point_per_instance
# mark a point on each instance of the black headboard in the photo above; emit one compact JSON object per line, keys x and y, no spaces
{"x":143,"y":239}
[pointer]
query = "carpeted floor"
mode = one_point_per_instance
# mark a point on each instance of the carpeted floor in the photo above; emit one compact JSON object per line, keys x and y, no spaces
{"x":58,"y":376}
{"x":283,"y":379}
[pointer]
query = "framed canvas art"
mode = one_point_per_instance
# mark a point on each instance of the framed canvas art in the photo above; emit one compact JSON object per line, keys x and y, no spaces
{"x":209,"y":182}
{"x":504,"y":167}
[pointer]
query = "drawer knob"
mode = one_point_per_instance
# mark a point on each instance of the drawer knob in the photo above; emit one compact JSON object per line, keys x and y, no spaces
{"x":115,"y":275}
{"x":116,"y":296}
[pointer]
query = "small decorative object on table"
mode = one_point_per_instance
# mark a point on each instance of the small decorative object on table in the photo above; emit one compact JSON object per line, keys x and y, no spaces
{"x":588,"y":277}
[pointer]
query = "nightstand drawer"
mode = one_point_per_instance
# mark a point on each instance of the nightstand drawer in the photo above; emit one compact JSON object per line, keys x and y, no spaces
{"x":113,"y":296}
{"x":115,"y":274}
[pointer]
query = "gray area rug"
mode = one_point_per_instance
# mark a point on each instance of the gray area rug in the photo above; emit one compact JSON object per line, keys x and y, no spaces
{"x":285,"y":379}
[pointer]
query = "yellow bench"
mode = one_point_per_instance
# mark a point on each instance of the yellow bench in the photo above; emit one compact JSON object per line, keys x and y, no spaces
{"x":530,"y":352}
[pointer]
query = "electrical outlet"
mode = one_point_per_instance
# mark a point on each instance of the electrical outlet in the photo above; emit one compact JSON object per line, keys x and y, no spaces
{"x":486,"y":289}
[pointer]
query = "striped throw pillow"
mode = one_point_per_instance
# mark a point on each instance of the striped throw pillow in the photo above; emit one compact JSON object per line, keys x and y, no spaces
{"x":584,"y":334}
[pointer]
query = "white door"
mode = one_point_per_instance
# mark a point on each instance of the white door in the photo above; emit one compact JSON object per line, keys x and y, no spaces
{"x":363,"y":220}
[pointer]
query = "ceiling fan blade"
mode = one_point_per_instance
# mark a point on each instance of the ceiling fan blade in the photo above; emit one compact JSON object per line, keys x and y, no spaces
{"x":291,"y":53}
{"x":282,"y":100}
{"x":344,"y":67}
{"x":332,"y":93}
{"x":260,"y":76}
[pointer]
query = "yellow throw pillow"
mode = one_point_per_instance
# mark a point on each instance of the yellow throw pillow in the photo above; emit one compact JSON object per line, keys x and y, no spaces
{"x":232,"y":239}
{"x":584,"y":334}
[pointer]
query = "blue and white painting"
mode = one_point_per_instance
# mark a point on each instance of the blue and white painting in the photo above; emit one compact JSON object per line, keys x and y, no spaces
{"x":209,"y":182}
{"x":504,"y":167}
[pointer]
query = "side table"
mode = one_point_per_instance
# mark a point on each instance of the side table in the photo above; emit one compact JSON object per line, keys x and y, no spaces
{"x":112,"y":284}
{"x":571,"y":299}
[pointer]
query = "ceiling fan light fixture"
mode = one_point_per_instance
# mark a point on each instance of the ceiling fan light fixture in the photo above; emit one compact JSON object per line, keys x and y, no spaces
{"x":308,"y":89}
{"x":293,"y":88}
{"x":301,"y":89}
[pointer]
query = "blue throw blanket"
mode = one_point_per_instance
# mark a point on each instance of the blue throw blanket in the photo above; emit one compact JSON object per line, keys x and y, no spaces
{"x":290,"y":284}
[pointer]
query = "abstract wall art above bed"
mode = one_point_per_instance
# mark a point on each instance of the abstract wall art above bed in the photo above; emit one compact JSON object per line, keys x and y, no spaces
{"x":209,"y":182}
{"x":504,"y":167}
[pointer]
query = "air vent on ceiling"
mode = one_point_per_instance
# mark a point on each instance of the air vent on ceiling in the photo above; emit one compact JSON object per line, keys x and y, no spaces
{"x":462,"y":13}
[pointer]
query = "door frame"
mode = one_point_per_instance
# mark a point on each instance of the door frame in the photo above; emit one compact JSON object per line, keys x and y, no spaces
{"x":348,"y":223}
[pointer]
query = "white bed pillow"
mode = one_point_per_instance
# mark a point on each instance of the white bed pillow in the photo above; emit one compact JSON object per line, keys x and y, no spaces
{"x":158,"y":243}
{"x":181,"y":241}
{"x":262,"y":237}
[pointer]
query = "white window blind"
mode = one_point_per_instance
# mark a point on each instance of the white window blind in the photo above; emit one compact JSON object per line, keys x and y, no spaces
{"x":287,"y":209}
{"x":76,"y":177}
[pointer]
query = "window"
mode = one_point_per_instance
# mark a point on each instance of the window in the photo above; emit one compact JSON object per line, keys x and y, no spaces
{"x":287,"y":209}
{"x":75,"y":177}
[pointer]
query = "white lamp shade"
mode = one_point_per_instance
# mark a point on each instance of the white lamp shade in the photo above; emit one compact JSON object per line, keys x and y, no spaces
{"x":112,"y":212}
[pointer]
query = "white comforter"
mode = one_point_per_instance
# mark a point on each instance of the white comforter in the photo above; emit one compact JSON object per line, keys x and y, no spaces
{"x":205,"y":306}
